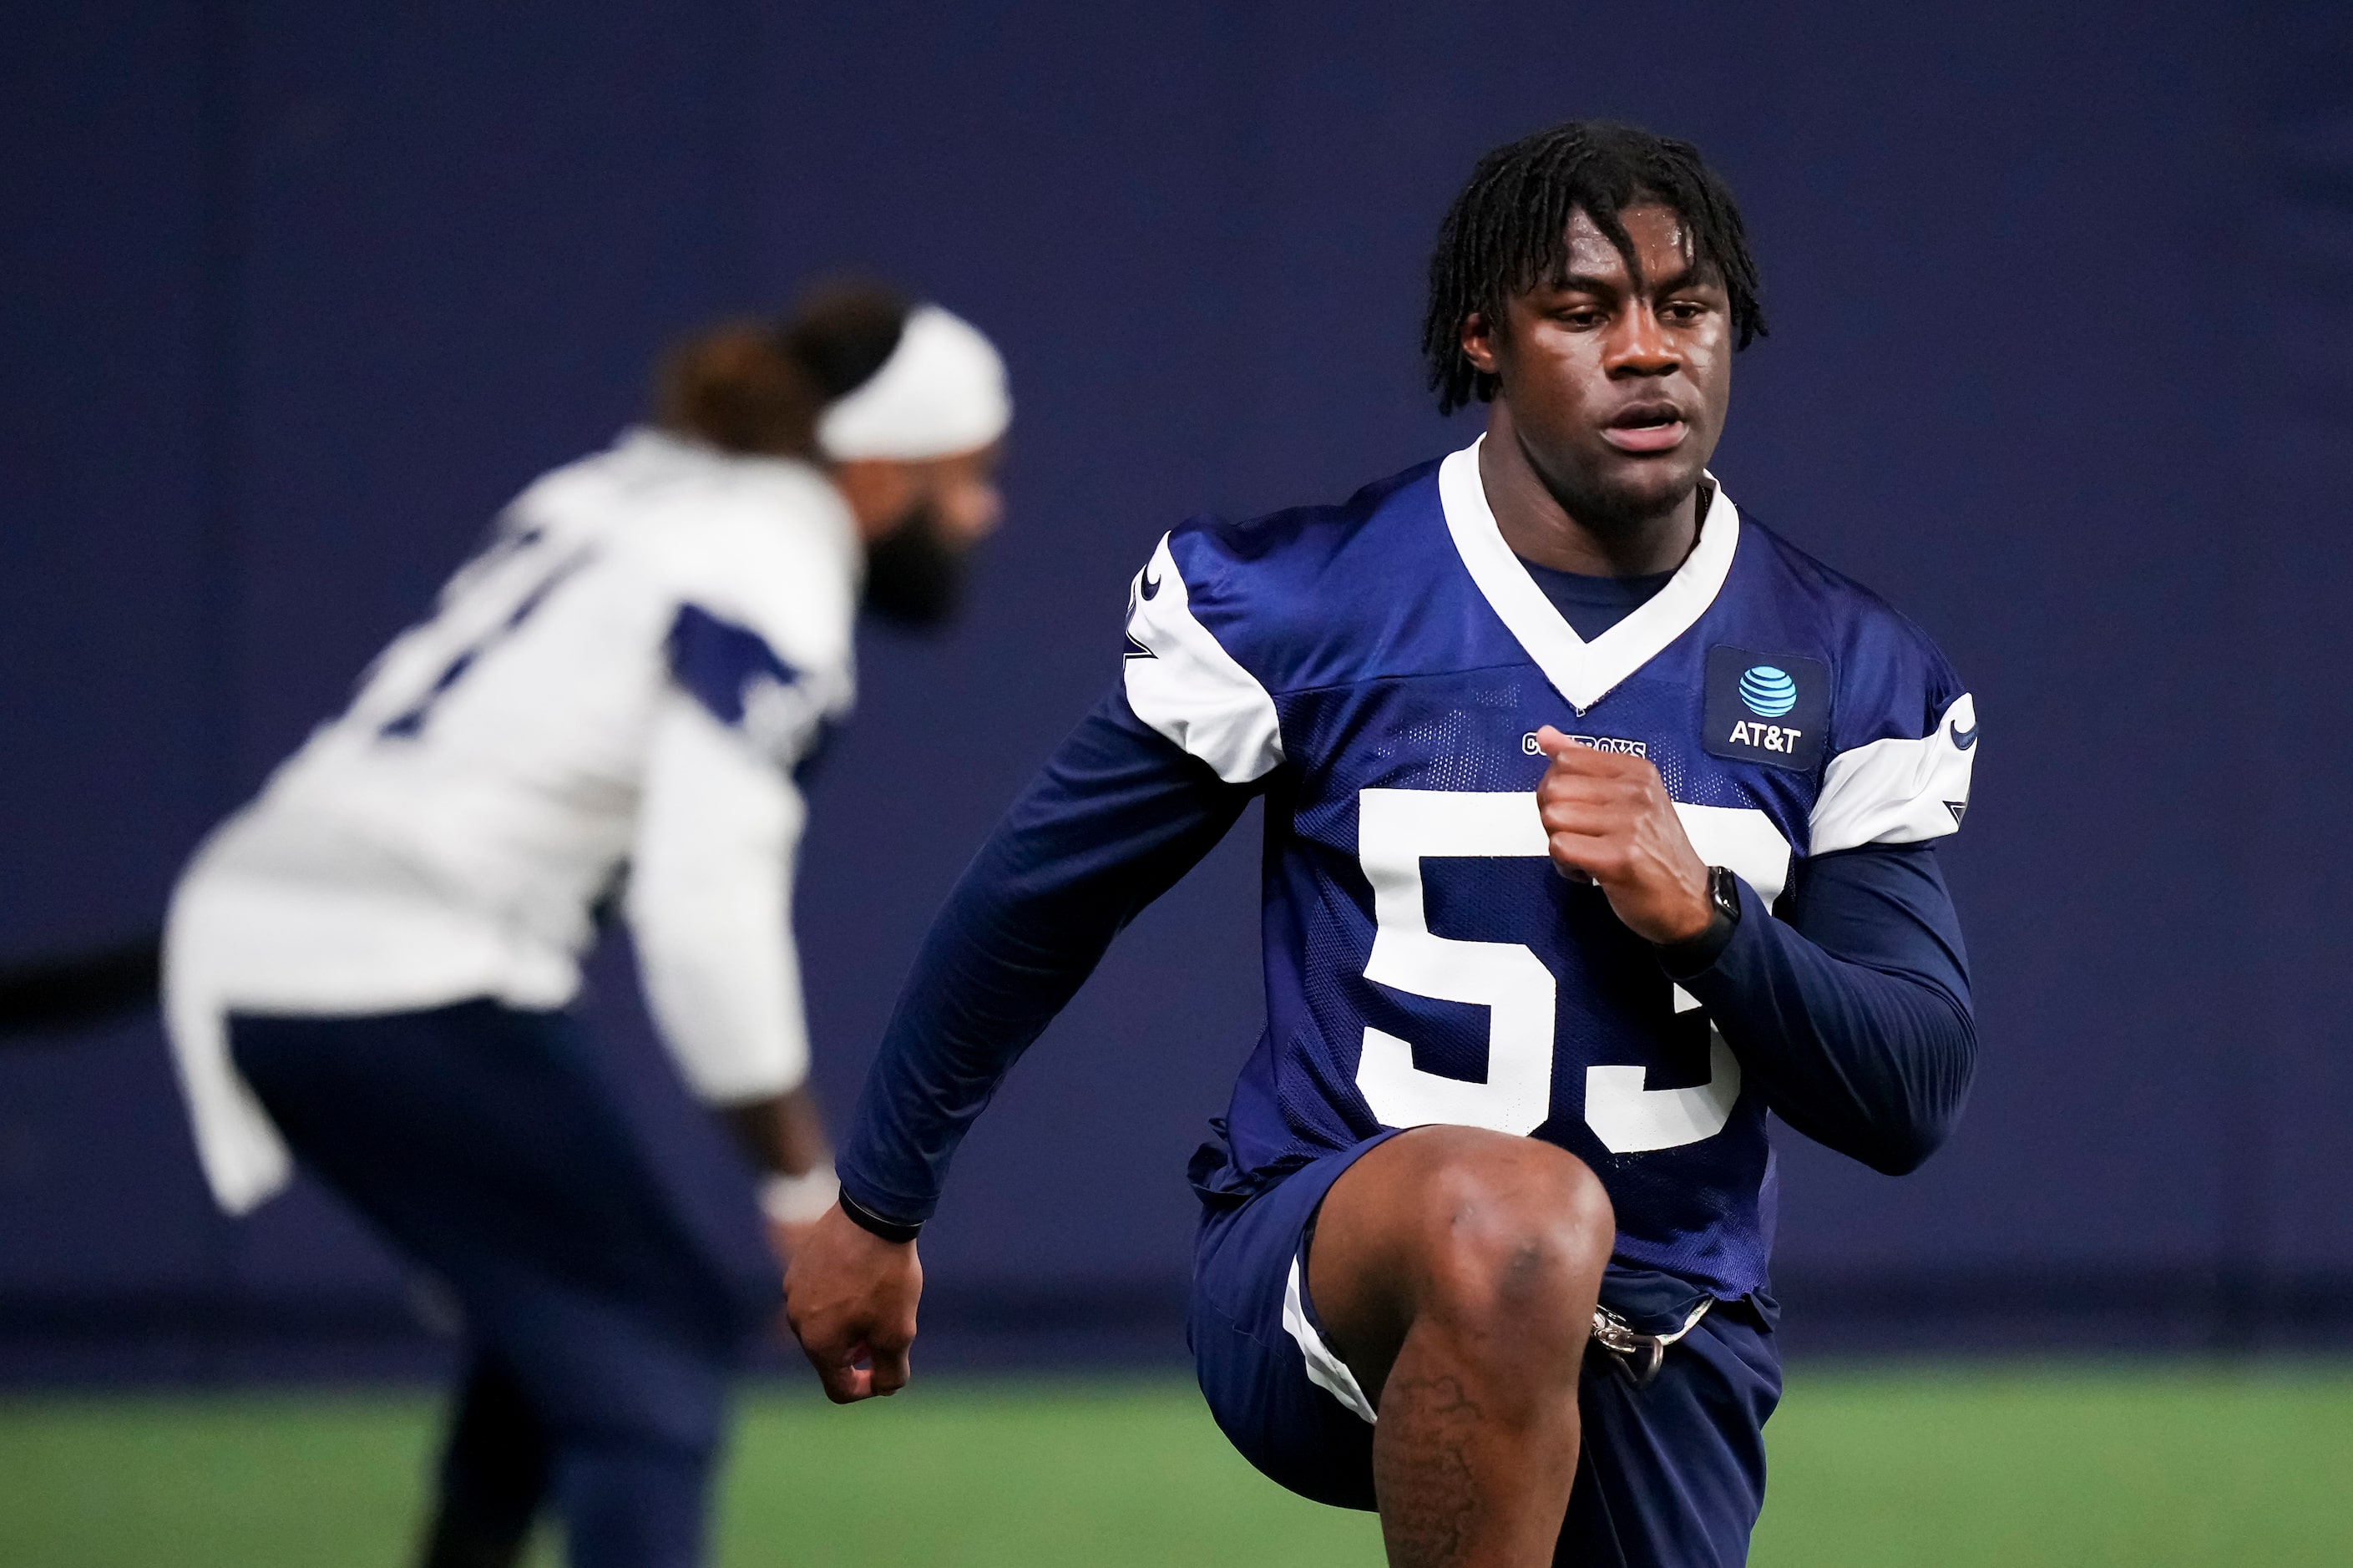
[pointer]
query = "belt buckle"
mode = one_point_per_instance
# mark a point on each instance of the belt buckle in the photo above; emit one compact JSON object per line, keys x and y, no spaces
{"x":1636,"y":1356}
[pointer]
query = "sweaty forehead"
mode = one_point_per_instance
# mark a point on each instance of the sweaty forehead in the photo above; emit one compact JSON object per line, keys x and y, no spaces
{"x":1662,"y":243}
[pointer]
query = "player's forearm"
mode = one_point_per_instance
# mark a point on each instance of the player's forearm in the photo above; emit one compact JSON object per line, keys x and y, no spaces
{"x":1112,"y":822}
{"x":1853,"y":1017}
{"x":784,"y":1134}
{"x":978,"y":997}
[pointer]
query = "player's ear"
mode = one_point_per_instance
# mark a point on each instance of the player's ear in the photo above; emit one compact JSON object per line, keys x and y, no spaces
{"x":1478,"y":341}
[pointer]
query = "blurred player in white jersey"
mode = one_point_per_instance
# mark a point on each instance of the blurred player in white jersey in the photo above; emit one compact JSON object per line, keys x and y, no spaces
{"x":609,"y":707}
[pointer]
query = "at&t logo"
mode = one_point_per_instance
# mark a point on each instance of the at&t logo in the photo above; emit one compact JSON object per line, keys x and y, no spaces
{"x":1768,"y":692}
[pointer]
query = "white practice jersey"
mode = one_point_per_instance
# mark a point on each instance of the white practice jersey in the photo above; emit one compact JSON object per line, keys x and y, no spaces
{"x":611,"y":698}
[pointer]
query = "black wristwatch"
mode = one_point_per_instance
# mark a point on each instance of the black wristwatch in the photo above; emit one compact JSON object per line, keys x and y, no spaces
{"x":1724,"y":896}
{"x":1690,"y":957}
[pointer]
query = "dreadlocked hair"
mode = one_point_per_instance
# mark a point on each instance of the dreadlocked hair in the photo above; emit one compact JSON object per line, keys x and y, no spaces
{"x":759,"y":387}
{"x":1508,"y":230}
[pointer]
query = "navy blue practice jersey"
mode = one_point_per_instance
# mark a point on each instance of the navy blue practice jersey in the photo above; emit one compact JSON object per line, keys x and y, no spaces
{"x":1380,"y":669}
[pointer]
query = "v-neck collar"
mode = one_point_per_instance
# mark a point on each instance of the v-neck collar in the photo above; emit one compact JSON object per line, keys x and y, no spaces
{"x":1584,"y":672}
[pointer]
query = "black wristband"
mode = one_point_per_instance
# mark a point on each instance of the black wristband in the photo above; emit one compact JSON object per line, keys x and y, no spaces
{"x":873,"y":1224}
{"x":1681,"y":959}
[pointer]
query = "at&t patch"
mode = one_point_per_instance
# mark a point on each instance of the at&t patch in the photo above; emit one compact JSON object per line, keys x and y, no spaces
{"x":1766,"y":708}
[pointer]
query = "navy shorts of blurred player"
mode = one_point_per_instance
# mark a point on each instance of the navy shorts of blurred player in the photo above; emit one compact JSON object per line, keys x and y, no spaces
{"x":1671,"y":1471}
{"x":598,"y":1229}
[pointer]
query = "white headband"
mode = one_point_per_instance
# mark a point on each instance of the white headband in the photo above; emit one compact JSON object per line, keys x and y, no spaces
{"x":941,"y":392}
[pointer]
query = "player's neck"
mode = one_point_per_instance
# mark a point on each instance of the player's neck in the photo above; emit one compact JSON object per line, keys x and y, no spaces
{"x":1542,"y":526}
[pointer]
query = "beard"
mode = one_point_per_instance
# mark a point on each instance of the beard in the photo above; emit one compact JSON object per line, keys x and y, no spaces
{"x":914,"y":578}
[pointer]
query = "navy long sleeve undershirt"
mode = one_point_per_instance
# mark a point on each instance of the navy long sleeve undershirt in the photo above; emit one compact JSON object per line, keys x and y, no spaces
{"x":1851,"y":1014}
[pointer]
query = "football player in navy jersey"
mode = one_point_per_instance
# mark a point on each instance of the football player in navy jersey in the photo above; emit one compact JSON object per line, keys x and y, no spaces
{"x":1600,"y":822}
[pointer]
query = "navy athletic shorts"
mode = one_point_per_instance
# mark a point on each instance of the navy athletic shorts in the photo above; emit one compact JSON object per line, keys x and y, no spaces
{"x":1670,"y":1476}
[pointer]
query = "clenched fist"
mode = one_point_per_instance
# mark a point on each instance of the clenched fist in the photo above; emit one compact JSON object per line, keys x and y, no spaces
{"x":1607,"y":817}
{"x":850,"y":1300}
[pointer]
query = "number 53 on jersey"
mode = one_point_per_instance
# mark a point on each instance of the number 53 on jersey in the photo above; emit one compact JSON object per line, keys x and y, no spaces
{"x":1397,"y":830}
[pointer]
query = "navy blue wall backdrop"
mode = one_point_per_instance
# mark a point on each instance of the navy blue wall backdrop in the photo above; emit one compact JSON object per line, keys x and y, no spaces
{"x":295,"y":297}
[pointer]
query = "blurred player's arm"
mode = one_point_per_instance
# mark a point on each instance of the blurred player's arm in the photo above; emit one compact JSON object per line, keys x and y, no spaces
{"x":708,"y":907}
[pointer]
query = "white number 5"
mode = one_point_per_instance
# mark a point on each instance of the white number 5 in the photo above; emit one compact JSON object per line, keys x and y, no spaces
{"x":1397,"y":830}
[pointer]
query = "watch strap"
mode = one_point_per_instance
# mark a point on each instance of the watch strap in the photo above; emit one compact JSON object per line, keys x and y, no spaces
{"x":873,"y":1224}
{"x":1681,"y":959}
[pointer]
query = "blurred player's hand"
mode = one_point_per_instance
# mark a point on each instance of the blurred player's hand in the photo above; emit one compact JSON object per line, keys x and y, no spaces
{"x":850,"y":1298}
{"x":1607,"y":820}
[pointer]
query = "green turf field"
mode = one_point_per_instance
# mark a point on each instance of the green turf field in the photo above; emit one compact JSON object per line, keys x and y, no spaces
{"x":2145,"y":1465}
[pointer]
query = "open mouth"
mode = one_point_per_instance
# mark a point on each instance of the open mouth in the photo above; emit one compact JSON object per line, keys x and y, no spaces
{"x":1646,"y":427}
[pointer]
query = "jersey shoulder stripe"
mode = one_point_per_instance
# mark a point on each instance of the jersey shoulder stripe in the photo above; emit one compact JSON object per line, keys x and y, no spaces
{"x":743,"y":683}
{"x":1897,"y":790}
{"x":721,"y":663}
{"x":1180,"y":680}
{"x":1226,"y":615}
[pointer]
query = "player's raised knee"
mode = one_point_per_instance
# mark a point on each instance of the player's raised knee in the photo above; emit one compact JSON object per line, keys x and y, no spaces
{"x":1513,"y":1229}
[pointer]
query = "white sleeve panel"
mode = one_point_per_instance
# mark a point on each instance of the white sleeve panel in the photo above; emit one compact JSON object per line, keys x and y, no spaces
{"x":710,"y":907}
{"x":1185,"y":685}
{"x":1897,"y":790}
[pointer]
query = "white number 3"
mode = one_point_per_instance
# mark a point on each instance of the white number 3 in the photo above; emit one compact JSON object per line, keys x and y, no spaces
{"x":1399,"y":828}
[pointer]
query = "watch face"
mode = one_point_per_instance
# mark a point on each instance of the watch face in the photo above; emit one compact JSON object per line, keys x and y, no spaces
{"x":1723,"y":891}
